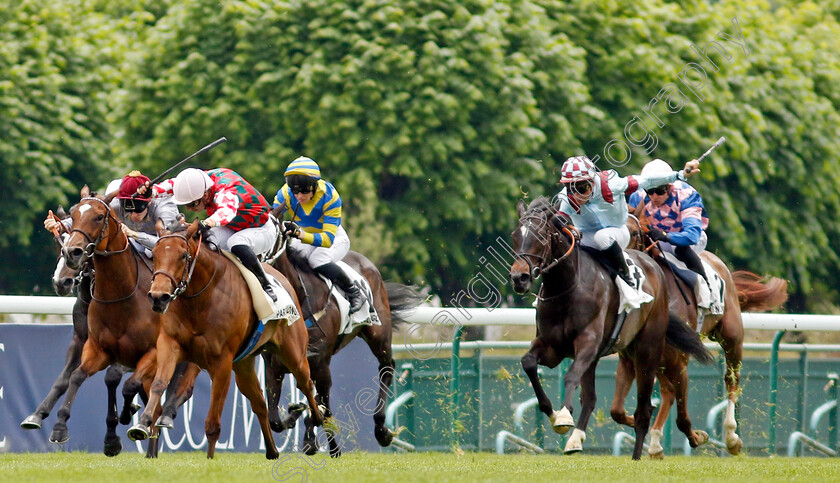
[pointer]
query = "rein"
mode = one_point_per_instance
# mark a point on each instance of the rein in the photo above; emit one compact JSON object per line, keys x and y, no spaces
{"x":573,"y":234}
{"x":186,"y":277}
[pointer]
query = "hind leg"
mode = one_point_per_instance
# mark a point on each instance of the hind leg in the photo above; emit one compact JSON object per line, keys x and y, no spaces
{"x":624,"y":376}
{"x":378,"y":338}
{"x":275,"y":374}
{"x":59,"y":387}
{"x":678,"y":375}
{"x":249,"y":385}
{"x":322,"y":378}
{"x":587,"y":405}
{"x":732,"y":348}
{"x":93,"y":361}
{"x":180,"y":389}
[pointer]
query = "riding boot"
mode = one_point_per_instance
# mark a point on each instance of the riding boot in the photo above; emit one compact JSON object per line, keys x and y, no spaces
{"x":616,"y":256}
{"x":248,"y":258}
{"x":337,"y":275}
{"x":692,"y":261}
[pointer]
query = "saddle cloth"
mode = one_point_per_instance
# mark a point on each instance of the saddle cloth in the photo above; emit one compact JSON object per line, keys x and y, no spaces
{"x":266,"y":308}
{"x":712,"y":301}
{"x":632,"y":297}
{"x":364,"y":316}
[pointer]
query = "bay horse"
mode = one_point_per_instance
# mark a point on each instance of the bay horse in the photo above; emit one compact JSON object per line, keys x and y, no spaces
{"x":64,"y":281}
{"x":121,"y":327}
{"x":577,"y":309}
{"x":208,"y":316}
{"x":392,"y":303}
{"x":744,"y":291}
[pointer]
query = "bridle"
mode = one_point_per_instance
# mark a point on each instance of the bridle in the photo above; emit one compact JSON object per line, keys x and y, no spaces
{"x":90,"y":249}
{"x":541,"y":266}
{"x":186,"y":276}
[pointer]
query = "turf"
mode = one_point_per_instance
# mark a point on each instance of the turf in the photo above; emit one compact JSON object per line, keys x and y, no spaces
{"x":392,"y":468}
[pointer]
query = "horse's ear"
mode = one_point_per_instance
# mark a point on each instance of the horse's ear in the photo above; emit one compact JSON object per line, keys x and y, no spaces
{"x":85,"y":192}
{"x":520,"y":208}
{"x":637,"y":211}
{"x":110,"y":197}
{"x":160,"y":227}
{"x":59,"y":212}
{"x":191,"y":231}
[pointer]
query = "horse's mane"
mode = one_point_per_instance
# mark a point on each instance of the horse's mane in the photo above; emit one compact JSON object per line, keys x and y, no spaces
{"x":541,"y":205}
{"x":298,"y":261}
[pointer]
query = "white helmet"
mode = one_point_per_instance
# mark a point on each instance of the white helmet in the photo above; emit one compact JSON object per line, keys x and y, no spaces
{"x":113,"y":186}
{"x":657,"y":167}
{"x":190,"y":185}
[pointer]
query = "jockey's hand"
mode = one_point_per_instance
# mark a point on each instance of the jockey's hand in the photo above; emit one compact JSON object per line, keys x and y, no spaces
{"x":50,"y":224}
{"x":143,"y":187}
{"x":691,"y":168}
{"x":129,"y":232}
{"x":204,"y":225}
{"x":656,"y":234}
{"x":291,"y":229}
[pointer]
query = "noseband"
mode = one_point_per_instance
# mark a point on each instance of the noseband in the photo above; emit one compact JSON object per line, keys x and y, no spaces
{"x":541,"y":265}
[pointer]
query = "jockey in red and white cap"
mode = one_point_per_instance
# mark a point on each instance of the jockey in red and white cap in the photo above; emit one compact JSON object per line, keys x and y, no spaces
{"x":595,"y":202}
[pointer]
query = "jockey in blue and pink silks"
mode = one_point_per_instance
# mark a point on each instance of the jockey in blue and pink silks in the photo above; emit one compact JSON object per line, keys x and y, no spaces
{"x":677,"y":216}
{"x":595,"y":202}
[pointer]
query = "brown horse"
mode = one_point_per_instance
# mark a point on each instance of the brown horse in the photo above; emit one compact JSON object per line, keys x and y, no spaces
{"x":392,"y":303}
{"x":577,"y":313}
{"x":208,"y":324}
{"x":744,"y":291}
{"x":122,"y":329}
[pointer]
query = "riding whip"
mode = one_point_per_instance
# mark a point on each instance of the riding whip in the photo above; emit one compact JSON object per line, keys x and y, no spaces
{"x":716,"y":144}
{"x":202,"y":150}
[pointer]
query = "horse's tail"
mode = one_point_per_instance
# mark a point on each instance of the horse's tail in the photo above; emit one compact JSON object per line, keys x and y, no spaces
{"x":758,"y":294}
{"x":680,"y":336}
{"x":402,"y":299}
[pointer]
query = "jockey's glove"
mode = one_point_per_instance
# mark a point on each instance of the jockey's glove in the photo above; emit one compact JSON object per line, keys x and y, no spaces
{"x":204,"y":226}
{"x":656,"y":234}
{"x":291,"y":229}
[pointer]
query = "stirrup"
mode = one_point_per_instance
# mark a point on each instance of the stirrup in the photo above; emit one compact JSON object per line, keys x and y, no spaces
{"x":268,"y":289}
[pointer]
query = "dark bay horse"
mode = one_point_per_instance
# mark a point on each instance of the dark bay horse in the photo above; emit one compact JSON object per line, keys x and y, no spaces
{"x":208,"y":316}
{"x":576,"y":314}
{"x":121,"y":327}
{"x":64,"y":281}
{"x":744,"y":291}
{"x":392,"y":303}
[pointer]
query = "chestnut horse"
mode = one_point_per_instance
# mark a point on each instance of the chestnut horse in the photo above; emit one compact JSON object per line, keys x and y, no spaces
{"x":392,"y":303}
{"x":208,"y":323}
{"x":121,"y":327}
{"x":744,"y":291}
{"x":577,"y":312}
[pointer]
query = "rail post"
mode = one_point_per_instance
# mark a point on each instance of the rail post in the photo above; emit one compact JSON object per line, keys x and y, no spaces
{"x":455,"y":383}
{"x":774,"y":375}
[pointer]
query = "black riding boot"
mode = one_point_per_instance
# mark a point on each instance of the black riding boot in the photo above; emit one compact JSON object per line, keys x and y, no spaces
{"x":692,"y":261}
{"x":616,"y":256}
{"x":337,"y":275}
{"x":246,"y":255}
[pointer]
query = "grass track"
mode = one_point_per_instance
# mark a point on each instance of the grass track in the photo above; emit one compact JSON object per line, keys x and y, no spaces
{"x":393,"y":468}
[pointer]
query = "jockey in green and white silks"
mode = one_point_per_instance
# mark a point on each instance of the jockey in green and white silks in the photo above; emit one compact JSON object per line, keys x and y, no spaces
{"x":315,"y":230}
{"x":595,"y":202}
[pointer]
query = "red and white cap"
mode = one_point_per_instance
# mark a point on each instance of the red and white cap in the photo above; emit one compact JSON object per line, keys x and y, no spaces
{"x":577,"y":168}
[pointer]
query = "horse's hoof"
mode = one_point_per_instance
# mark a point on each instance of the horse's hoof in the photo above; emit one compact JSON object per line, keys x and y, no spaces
{"x":735,"y":448}
{"x":165,"y":422}
{"x":657,"y":456}
{"x":297,"y":408}
{"x":562,"y":421}
{"x":335,"y":452}
{"x":272,"y":454}
{"x":113,"y":446}
{"x":138,"y":432}
{"x":277,"y":425}
{"x":702,"y":438}
{"x":309,"y":448}
{"x":575,"y":442}
{"x":59,"y":435}
{"x":31,"y":422}
{"x":384,"y":436}
{"x":126,"y":414}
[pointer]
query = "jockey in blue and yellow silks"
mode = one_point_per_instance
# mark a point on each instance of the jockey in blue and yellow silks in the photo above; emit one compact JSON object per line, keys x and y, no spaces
{"x":595,"y":203}
{"x":315,"y":230}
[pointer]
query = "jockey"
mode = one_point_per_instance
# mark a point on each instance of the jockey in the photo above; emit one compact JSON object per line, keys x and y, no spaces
{"x":595,"y":203}
{"x":677,"y":216}
{"x":317,"y":235}
{"x":237,"y":213}
{"x":137,"y":214}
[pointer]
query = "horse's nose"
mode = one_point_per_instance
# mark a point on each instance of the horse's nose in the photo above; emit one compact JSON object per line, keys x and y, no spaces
{"x":160,"y":302}
{"x":521,"y":281}
{"x":73,"y":256}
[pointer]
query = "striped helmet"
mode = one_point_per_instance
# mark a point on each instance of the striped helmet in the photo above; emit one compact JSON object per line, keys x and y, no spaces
{"x":577,"y":168}
{"x":305,"y":166}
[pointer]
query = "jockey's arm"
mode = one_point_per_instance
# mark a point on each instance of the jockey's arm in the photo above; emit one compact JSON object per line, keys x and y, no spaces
{"x":227,"y":204}
{"x":325,"y":236}
{"x":689,"y":235}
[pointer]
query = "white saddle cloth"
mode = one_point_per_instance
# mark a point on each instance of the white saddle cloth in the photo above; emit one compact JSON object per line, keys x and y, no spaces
{"x":710,"y":301}
{"x":631,"y":298}
{"x":364,"y":316}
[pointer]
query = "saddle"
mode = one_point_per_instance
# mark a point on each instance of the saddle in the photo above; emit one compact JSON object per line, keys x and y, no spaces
{"x":366,"y":315}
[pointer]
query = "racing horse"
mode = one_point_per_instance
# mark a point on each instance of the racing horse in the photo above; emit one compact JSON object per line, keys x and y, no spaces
{"x":208,"y":316}
{"x":577,"y":309}
{"x":392,"y":303}
{"x":744,"y":291}
{"x":121,"y":327}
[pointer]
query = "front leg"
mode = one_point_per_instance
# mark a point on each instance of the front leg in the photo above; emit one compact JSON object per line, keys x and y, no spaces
{"x":541,"y":353}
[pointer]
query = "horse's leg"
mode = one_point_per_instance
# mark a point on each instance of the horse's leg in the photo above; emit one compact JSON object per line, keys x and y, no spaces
{"x":624,"y":376}
{"x":131,"y":387}
{"x":113,"y":443}
{"x":322,"y":377}
{"x":648,"y":354}
{"x":378,"y":338}
{"x":71,"y":362}
{"x":732,"y":341}
{"x":542,"y":353}
{"x":178,"y":393}
{"x":218,"y":393}
{"x":666,"y":394}
{"x":677,"y":374}
{"x":164,"y":358}
{"x":249,"y":385}
{"x":587,"y":405}
{"x":94,"y":360}
{"x":275,"y":374}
